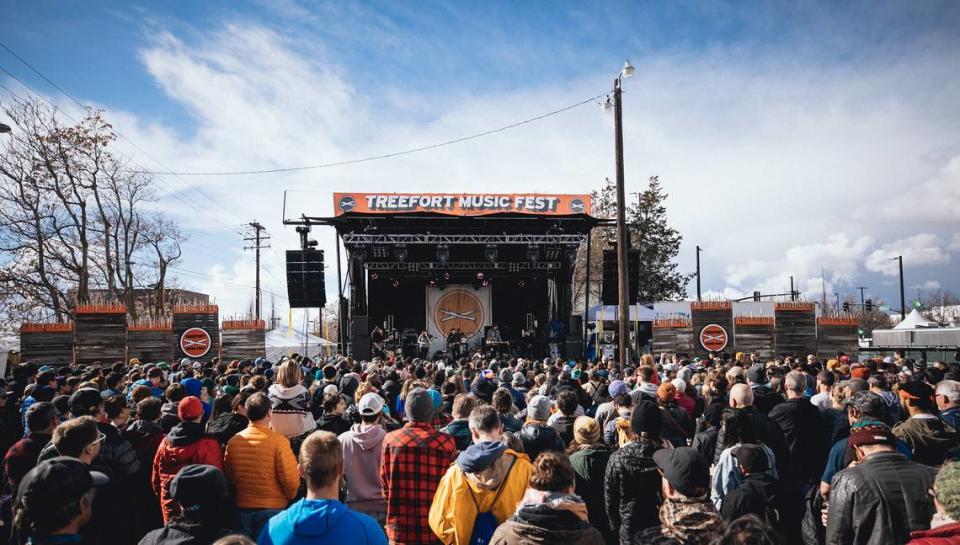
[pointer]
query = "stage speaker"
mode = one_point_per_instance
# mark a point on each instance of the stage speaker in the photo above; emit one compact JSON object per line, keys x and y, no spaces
{"x":574,"y":349}
{"x":575,"y":328}
{"x":305,"y":283}
{"x":609,"y":289}
{"x":531,"y":322}
{"x":360,"y":337}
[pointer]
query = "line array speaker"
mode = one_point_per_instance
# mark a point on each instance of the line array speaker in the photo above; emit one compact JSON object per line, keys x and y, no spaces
{"x":305,"y":282}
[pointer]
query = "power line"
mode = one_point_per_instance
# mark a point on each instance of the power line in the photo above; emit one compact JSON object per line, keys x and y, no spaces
{"x":373,"y":157}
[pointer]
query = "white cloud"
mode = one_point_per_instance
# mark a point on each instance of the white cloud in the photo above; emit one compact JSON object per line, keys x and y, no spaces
{"x":770,"y":159}
{"x":917,"y":250}
{"x":955,"y":243}
{"x":927,"y":285}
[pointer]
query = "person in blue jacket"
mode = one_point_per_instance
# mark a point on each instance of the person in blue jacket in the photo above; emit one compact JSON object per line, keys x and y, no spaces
{"x":320,"y":518}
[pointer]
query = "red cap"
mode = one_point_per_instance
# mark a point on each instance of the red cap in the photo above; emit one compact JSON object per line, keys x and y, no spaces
{"x":860,"y":372}
{"x":189,"y":408}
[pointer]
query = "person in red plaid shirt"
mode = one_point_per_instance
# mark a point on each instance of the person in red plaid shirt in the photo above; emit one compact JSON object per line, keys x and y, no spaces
{"x":415,"y":457}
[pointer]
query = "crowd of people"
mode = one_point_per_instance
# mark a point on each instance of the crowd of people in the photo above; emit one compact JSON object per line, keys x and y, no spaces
{"x":726,"y":449}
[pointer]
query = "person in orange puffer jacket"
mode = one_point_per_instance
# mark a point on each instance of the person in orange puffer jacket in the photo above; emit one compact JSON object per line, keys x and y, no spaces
{"x":186,"y":444}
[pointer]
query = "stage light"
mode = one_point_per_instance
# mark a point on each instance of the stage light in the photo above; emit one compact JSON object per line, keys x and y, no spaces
{"x":381,"y":252}
{"x":395,"y":283}
{"x":521,"y":283}
{"x":400,"y":251}
{"x":443,"y":254}
{"x":491,"y":253}
{"x":446,"y":276}
{"x":432,"y":283}
{"x":533,"y":254}
{"x":480,"y":276}
{"x":485,"y":282}
{"x":374,"y":276}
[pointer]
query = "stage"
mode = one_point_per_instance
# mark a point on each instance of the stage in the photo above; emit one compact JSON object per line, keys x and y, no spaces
{"x":438,"y":263}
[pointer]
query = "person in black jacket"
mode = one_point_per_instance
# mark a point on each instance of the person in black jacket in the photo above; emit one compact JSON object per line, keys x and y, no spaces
{"x":631,"y":482}
{"x":802,"y":426}
{"x":768,"y":432}
{"x":758,"y":494}
{"x":535,"y":434}
{"x":201,"y":491}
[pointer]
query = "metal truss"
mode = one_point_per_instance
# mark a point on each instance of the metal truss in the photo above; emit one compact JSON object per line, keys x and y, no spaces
{"x":461,"y":266}
{"x":366,"y":238}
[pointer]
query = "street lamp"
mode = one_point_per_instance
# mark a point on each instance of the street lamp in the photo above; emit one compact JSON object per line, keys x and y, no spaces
{"x":623,"y":309}
{"x":4,"y":128}
{"x":903,"y":308}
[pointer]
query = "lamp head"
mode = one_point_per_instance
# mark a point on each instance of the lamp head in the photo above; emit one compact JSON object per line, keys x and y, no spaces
{"x":628,"y":69}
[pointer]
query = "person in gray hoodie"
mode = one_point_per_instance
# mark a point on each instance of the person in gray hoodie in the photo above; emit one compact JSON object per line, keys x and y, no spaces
{"x":361,"y":459}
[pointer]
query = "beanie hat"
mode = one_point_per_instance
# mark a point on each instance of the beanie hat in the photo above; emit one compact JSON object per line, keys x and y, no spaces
{"x":189,"y":409}
{"x":419,"y":405}
{"x":586,"y":430}
{"x":667,"y":392}
{"x":871,"y":432}
{"x":860,"y":372}
{"x":647,"y":418}
{"x":947,"y":485}
{"x":539,"y":408}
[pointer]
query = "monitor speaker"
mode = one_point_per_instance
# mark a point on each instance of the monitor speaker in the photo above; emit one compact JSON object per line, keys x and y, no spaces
{"x":305,"y":282}
{"x":574,"y":349}
{"x":575,"y":327}
{"x":360,"y":337}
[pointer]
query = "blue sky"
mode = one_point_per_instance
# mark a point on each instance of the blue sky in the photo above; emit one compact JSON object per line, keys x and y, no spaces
{"x":790,"y":135}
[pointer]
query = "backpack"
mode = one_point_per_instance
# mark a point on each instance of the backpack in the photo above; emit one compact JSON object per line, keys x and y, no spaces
{"x":485,"y":523}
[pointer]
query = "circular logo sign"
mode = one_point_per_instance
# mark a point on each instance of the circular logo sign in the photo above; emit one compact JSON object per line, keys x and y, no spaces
{"x":195,"y":342}
{"x":713,"y":338}
{"x":347,"y":203}
{"x":459,"y":309}
{"x":577,"y":206}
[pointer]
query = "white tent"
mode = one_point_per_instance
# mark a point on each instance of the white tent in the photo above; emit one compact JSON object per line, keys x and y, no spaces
{"x":915,"y":320}
{"x":283,"y":342}
{"x":638,"y":313}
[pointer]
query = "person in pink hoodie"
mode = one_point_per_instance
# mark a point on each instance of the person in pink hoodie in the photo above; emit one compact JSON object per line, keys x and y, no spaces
{"x":686,"y":402}
{"x":361,"y":459}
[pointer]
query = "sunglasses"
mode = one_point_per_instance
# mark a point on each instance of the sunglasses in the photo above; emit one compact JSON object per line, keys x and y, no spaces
{"x":99,"y":438}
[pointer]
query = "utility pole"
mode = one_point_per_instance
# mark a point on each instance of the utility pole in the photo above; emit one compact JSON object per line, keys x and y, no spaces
{"x":793,"y":294}
{"x":257,"y":238}
{"x":623,"y":309}
{"x":862,"y":289}
{"x":699,"y":249}
{"x":837,"y":295}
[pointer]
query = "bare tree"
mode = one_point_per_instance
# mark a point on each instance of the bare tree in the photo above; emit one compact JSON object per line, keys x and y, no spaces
{"x":941,"y":306}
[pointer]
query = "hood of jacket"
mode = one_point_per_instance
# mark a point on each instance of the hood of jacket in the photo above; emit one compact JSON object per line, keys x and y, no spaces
{"x":185,"y":433}
{"x":311,"y":519}
{"x":169,"y":408}
{"x":227,"y":423}
{"x":479,"y":456}
{"x":369,"y":438}
{"x":458,"y":427}
{"x":284,"y":392}
{"x":761,"y":483}
{"x":562,"y":519}
{"x":183,"y":533}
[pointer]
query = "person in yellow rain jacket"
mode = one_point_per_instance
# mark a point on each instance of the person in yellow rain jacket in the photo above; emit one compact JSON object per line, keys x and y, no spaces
{"x":482,"y":488}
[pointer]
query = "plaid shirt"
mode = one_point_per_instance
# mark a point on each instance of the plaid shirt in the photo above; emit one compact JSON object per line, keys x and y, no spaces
{"x":415,"y":457}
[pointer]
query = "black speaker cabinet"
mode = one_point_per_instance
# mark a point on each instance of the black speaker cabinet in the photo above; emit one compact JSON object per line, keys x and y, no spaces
{"x":305,"y":284}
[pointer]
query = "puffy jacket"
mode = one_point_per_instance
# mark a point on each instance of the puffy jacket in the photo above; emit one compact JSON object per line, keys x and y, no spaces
{"x":537,"y":438}
{"x":463,"y":493}
{"x":168,"y":416}
{"x":802,"y":426}
{"x":948,"y":534}
{"x":460,"y":431}
{"x":589,"y":468}
{"x":185,"y":445}
{"x":261,"y":465}
{"x":545,"y":524}
{"x":881,"y":500}
{"x":321,"y":522}
{"x":632,"y":490}
{"x":145,"y":437}
{"x":932,"y":440}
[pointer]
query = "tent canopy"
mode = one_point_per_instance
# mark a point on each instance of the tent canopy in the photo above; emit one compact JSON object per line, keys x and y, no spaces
{"x":609,"y":313}
{"x":914,"y":320}
{"x":281,"y":342}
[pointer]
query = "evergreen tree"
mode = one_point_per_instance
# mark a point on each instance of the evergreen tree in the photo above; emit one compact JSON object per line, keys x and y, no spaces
{"x":659,"y":244}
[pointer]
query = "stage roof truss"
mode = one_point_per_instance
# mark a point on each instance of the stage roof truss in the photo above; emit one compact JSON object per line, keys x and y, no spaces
{"x":461,"y":265}
{"x":524,"y":239}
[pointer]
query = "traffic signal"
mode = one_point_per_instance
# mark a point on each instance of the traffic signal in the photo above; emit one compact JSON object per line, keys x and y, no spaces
{"x":868,"y":305}
{"x":846,"y":306}
{"x":756,"y":296}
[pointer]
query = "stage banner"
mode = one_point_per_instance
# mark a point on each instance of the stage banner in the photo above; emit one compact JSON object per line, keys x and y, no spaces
{"x":458,"y":306}
{"x":461,"y":204}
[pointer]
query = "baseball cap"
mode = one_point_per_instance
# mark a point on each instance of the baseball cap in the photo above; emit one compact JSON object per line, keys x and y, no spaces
{"x":84,"y":401}
{"x":370,"y":404}
{"x":57,"y":482}
{"x":756,"y":374}
{"x":197,"y":486}
{"x":189,"y":408}
{"x":685,"y":469}
{"x":618,"y":387}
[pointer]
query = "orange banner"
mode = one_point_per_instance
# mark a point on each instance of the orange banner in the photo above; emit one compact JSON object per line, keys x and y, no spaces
{"x":461,"y":204}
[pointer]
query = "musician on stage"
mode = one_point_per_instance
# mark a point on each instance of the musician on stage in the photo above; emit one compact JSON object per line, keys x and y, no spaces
{"x":494,"y":340}
{"x":377,"y":337}
{"x":423,"y":343}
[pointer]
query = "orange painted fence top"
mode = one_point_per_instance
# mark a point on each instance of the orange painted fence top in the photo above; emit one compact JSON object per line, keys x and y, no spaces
{"x":665,"y":323}
{"x":196,"y":309}
{"x":753,"y":320}
{"x":795,"y":306}
{"x":59,"y":327}
{"x":711,"y":305}
{"x":101,"y":308}
{"x":837,"y":320}
{"x":244,"y":324}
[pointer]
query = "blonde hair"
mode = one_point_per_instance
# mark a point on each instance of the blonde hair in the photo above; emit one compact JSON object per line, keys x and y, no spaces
{"x":646,"y":360}
{"x":289,"y":374}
